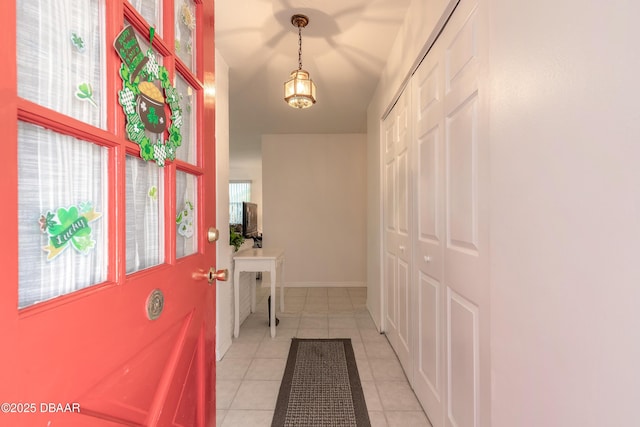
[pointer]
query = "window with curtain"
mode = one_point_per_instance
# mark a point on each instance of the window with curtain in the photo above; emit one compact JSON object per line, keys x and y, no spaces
{"x":239,"y":191}
{"x":61,"y":57}
{"x":145,"y":209}
{"x":186,"y":211}
{"x":63,"y":201}
{"x":62,"y":216}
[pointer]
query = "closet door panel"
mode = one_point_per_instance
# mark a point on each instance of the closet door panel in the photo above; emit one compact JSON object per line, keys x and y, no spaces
{"x":466,"y":254}
{"x":428,"y":236}
{"x":450,"y":276}
{"x":398,"y":193}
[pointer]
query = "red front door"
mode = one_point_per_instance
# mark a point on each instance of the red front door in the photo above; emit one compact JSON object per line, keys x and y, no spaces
{"x":107,"y":199}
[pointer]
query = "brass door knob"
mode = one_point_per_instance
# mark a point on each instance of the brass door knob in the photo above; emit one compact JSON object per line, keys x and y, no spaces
{"x":221,"y":275}
{"x":212,"y":275}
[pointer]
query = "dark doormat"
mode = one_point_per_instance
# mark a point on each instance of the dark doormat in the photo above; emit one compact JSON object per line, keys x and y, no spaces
{"x":321,"y":386}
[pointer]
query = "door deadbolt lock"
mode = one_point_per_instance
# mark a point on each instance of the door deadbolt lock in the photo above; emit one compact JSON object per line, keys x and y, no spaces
{"x":213,"y":275}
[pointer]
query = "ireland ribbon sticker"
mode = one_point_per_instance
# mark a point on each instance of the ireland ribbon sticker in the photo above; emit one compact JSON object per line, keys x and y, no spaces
{"x":69,"y":227}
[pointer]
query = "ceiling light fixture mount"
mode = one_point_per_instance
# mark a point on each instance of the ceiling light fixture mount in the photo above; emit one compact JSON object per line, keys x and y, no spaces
{"x":299,"y":90}
{"x":300,"y":21}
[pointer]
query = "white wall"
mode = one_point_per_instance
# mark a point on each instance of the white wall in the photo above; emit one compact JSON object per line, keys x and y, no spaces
{"x":314,"y":190}
{"x":565,"y":155}
{"x":224,"y":290}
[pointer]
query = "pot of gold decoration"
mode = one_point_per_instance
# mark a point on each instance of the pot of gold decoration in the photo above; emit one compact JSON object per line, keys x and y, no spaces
{"x":151,"y":107}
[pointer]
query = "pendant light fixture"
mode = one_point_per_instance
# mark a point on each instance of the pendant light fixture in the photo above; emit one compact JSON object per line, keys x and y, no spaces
{"x":299,"y":90}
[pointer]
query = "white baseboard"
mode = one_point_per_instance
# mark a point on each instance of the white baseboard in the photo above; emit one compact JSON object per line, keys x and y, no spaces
{"x":266,"y":284}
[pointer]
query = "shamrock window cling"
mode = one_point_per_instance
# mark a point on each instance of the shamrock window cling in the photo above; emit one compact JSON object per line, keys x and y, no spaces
{"x":84,"y":90}
{"x":188,"y":18}
{"x":143,"y":102}
{"x":184,"y":219}
{"x":85,"y":93}
{"x":78,"y":42}
{"x":69,"y":227}
{"x":153,"y":193}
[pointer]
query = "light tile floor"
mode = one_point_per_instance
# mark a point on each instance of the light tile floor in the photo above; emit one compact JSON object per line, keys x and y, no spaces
{"x":248,"y":376}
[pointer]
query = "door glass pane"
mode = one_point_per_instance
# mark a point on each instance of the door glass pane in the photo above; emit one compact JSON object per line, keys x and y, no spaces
{"x":188,"y":105}
{"x":60,"y":55}
{"x":185,"y":25}
{"x":145,"y":210}
{"x":151,"y":11}
{"x":186,"y":214}
{"x":62,"y":214}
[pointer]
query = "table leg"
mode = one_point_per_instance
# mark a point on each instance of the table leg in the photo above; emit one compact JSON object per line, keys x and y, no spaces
{"x":253,"y":292}
{"x":282,"y":286}
{"x":273,"y":302}
{"x":236,"y":302}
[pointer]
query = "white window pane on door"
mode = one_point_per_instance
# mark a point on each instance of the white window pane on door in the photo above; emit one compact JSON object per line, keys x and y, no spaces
{"x":185,"y":25}
{"x":62,"y":214}
{"x":186,"y":214}
{"x":145,"y":214}
{"x":188,"y":105}
{"x":151,"y":11}
{"x":60,"y":57}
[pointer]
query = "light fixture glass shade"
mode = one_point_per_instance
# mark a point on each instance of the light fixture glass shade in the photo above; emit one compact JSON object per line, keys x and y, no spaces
{"x":299,"y":90}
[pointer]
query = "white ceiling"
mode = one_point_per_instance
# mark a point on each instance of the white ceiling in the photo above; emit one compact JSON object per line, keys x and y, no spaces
{"x":344,"y":48}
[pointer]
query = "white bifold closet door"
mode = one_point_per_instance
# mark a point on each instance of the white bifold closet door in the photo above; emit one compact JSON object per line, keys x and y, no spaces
{"x":451,"y":361}
{"x":397,"y":192}
{"x":448,"y":263}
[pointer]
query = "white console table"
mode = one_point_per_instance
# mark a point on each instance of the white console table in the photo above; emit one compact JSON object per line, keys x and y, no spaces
{"x":258,"y":260}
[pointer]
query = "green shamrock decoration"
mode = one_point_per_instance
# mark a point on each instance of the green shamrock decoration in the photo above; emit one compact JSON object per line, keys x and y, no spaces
{"x":153,"y":117}
{"x":85,"y":206}
{"x":81,"y":239}
{"x":185,"y":220}
{"x":174,"y":136}
{"x":77,"y":42}
{"x":85,"y":93}
{"x":153,"y":192}
{"x":163,"y":76}
{"x":146,"y":149}
{"x":69,"y":227}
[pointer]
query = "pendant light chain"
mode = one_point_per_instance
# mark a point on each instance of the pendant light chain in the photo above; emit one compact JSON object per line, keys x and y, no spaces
{"x":299,"y":47}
